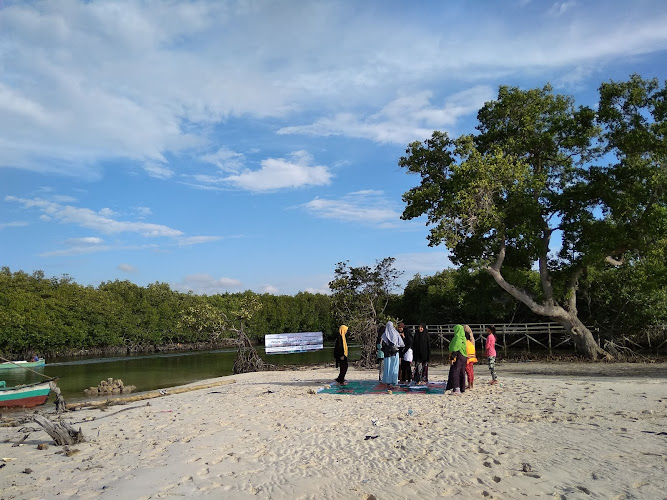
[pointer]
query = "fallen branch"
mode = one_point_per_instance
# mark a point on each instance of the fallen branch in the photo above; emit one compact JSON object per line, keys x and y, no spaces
{"x":89,"y":419}
{"x":62,"y":433}
{"x":20,"y":441}
{"x":148,"y":395}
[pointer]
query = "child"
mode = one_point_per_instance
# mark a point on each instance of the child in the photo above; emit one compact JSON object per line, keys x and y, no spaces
{"x":491,"y":352}
{"x":472,"y":357}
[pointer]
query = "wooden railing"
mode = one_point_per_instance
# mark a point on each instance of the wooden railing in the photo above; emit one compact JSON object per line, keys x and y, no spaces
{"x":548,"y":335}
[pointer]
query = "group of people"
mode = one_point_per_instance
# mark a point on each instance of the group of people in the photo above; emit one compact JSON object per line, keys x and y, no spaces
{"x":462,"y":357}
{"x":398,"y":349}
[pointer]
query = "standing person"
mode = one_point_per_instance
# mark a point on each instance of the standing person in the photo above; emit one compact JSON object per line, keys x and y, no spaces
{"x":472,"y":357}
{"x":391,"y":343}
{"x":380,"y":355}
{"x":405,"y":369}
{"x":421,"y":352}
{"x":491,"y":352}
{"x":458,"y":359}
{"x":340,"y":353}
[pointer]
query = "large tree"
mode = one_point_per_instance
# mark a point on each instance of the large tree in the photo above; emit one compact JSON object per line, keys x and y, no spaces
{"x":359,"y":298}
{"x":547,"y":184}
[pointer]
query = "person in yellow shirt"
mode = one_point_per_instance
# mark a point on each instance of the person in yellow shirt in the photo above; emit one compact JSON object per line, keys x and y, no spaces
{"x":472,"y":357}
{"x":340,"y":354}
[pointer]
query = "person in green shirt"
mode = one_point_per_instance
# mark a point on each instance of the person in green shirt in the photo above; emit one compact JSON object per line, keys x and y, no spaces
{"x":458,"y":356}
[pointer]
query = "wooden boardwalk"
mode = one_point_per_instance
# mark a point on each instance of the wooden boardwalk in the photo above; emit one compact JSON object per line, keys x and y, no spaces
{"x":548,"y":335}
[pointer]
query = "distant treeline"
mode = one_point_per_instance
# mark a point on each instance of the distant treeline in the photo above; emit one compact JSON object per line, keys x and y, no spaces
{"x":59,"y":316}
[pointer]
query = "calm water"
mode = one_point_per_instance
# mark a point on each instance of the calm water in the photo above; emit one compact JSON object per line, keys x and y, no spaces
{"x":154,"y":371}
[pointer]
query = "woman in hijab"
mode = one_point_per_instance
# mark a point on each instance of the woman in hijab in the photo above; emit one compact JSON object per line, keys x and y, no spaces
{"x":391,"y":343}
{"x":458,"y":352}
{"x":340,"y":353}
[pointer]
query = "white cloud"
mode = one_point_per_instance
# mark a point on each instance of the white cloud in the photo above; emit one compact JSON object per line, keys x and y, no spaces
{"x":366,"y":207}
{"x":79,"y":246}
{"x":560,"y":8}
{"x":88,"y":240}
{"x":99,"y":221}
{"x":269,"y":289}
{"x":196,"y":240}
{"x":165,"y":74}
{"x":423,"y":263}
{"x":225,"y":159}
{"x":403,"y":120}
{"x":144,"y":211}
{"x":158,"y":170}
{"x":4,"y":225}
{"x":77,"y":250}
{"x":205,"y":284}
{"x":281,"y":173}
{"x":127,"y":268}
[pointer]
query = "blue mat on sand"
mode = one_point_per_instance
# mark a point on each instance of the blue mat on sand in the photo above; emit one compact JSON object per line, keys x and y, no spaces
{"x":372,"y":387}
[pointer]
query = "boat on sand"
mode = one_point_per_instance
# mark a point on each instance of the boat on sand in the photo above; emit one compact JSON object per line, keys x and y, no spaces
{"x":24,"y":396}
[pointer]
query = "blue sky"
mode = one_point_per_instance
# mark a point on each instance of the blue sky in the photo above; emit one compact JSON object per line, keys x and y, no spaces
{"x":251,"y":145}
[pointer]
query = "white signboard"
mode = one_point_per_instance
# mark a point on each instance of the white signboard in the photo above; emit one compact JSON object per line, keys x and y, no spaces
{"x":285,"y":343}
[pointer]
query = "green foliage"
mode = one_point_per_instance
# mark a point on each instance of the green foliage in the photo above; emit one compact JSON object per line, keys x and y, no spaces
{"x":624,"y":301}
{"x":57,"y":315}
{"x":542,"y":174}
{"x":463,"y":295}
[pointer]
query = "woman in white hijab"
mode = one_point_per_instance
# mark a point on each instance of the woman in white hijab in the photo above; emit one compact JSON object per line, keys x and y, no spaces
{"x":391,"y":341}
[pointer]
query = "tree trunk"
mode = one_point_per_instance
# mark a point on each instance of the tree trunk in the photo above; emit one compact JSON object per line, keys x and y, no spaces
{"x":581,"y":335}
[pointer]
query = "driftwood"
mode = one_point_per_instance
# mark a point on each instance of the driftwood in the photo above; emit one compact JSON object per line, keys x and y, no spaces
{"x":622,"y":352}
{"x":62,"y":433}
{"x":20,"y":441}
{"x":148,"y":395}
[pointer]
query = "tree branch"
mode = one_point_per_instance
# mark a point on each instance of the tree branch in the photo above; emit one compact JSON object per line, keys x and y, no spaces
{"x":545,"y":278}
{"x":500,"y":258}
{"x":572,"y":287}
{"x":614,"y":262}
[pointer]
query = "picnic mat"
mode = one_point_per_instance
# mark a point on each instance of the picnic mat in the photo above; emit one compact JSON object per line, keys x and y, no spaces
{"x":373,"y":387}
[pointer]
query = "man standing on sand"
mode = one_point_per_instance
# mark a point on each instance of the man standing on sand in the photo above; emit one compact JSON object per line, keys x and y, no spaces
{"x":491,"y":352}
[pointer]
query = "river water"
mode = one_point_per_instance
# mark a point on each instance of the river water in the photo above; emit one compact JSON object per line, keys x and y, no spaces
{"x":154,"y":371}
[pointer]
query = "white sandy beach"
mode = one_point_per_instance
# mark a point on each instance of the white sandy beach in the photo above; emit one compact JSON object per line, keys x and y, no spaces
{"x":269,"y":435}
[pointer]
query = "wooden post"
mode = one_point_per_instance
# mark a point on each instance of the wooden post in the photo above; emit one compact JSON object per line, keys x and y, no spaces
{"x":440,"y":336}
{"x":504,"y":342}
{"x":549,"y":331}
{"x":527,"y":338}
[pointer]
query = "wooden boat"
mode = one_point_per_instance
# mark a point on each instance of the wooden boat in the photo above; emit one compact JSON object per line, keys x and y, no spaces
{"x":24,"y":396}
{"x":22,"y":364}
